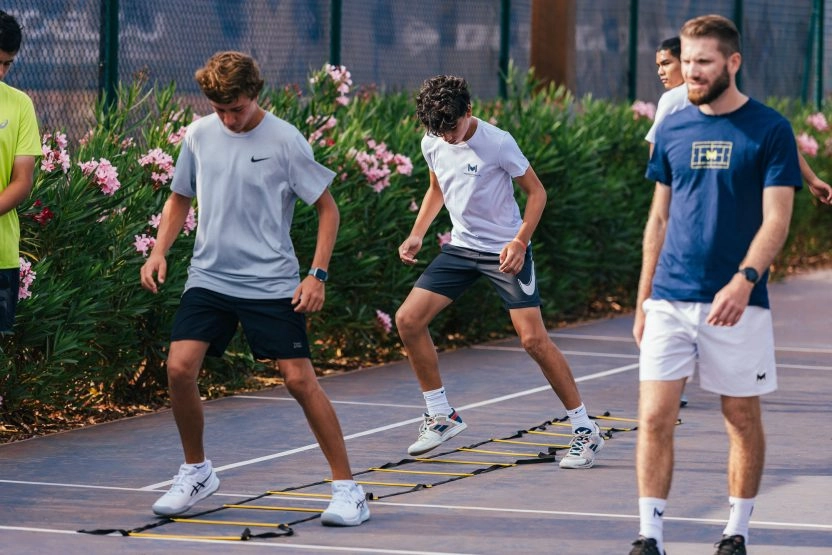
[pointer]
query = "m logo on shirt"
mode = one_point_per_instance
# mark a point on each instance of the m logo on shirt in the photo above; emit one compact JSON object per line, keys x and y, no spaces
{"x":712,"y":155}
{"x":471,"y":169}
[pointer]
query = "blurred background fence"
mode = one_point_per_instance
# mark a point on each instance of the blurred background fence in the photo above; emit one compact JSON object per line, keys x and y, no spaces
{"x":73,"y":49}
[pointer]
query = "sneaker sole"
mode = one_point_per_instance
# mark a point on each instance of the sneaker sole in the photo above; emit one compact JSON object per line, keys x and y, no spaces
{"x":336,"y":520}
{"x":454,"y":432}
{"x":210,"y":490}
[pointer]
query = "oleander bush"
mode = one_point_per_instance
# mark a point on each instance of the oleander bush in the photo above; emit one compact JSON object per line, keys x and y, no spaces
{"x":89,"y":342}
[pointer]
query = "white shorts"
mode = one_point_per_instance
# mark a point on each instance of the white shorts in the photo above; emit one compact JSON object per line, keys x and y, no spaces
{"x":737,"y":361}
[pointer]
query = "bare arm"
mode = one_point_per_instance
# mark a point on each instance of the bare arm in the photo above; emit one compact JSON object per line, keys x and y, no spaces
{"x":730,"y":302}
{"x":654,"y":234}
{"x":173,"y":218}
{"x":20,"y":183}
{"x":432,"y":203}
{"x":310,"y":294}
{"x":514,"y":252}
{"x":817,"y":186}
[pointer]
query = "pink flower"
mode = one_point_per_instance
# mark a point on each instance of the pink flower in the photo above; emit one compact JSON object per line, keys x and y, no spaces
{"x":807,"y":144}
{"x":190,"y":221}
{"x":161,"y":164}
{"x":375,"y":164}
{"x":444,"y":238}
{"x":155,"y":220}
{"x":27,"y":277}
{"x":643,"y":109}
{"x":54,"y":153}
{"x":413,"y":206}
{"x":104,"y":174}
{"x":176,"y":137}
{"x":143,"y":243}
{"x":818,"y":121}
{"x":384,"y":321}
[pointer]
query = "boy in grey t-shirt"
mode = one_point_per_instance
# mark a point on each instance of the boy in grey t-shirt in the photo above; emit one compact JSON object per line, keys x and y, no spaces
{"x":472,"y":164}
{"x":246,"y":169}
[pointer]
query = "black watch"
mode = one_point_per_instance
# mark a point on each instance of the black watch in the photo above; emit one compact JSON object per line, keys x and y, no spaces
{"x":750,"y":274}
{"x":319,"y":274}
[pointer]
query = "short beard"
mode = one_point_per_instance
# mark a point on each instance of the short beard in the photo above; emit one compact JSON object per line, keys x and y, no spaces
{"x":713,"y":92}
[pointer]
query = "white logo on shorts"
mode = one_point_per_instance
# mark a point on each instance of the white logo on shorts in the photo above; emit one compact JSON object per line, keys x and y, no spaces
{"x":528,"y":288}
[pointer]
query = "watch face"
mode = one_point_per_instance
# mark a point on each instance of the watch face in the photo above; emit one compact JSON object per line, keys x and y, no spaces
{"x":318,"y":274}
{"x":751,"y":274}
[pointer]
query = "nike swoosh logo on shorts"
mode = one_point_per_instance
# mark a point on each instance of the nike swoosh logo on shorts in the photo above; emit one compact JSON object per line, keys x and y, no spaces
{"x":528,"y":288}
{"x":253,"y":159}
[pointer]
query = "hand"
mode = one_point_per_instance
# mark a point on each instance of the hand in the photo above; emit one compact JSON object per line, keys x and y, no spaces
{"x":408,"y":249}
{"x":638,"y":325}
{"x":822,"y":190}
{"x":155,"y":265}
{"x":309,"y":295}
{"x":730,"y":302}
{"x":512,"y":257}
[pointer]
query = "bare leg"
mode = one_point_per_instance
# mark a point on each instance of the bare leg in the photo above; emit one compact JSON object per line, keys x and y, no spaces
{"x":658,"y":409}
{"x":528,"y":322}
{"x":184,"y":362}
{"x":412,"y":319}
{"x":747,"y":445}
{"x":303,"y":385}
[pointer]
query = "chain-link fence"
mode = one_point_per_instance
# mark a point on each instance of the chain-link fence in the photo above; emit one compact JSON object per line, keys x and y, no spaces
{"x":391,"y":44}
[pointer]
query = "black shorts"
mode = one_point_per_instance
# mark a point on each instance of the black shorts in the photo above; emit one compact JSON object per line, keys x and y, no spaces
{"x":272,"y":327}
{"x":9,"y":287}
{"x":456,"y":269}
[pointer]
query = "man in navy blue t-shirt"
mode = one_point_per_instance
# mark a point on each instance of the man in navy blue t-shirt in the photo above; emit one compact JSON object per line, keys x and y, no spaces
{"x":726,"y":170}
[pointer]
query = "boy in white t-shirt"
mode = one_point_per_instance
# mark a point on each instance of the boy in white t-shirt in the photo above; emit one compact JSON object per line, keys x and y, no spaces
{"x":472,"y":164}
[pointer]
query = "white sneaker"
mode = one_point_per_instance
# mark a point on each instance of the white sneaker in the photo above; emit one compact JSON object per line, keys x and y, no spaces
{"x":348,"y":506}
{"x":435,"y":430}
{"x":584,"y":446}
{"x":191,"y":485}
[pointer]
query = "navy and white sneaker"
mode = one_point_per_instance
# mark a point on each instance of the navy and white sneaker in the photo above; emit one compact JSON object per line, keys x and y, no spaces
{"x":193,"y":484}
{"x":435,"y":430}
{"x":584,"y":446}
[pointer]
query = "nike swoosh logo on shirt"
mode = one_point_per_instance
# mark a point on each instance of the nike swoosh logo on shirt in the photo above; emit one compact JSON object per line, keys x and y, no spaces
{"x":528,"y":288}
{"x":253,"y":159}
{"x":4,"y":124}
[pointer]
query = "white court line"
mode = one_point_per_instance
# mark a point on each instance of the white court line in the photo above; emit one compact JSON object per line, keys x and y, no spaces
{"x":312,"y":547}
{"x":575,"y":353}
{"x":264,"y":398}
{"x":754,"y":523}
{"x":401,"y":423}
{"x":631,"y":340}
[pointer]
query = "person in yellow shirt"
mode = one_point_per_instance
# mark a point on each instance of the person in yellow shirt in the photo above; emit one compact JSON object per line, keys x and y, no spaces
{"x":19,"y":146}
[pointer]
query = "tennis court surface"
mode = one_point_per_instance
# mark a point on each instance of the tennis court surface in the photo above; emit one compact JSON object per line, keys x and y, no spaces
{"x":494,"y":489}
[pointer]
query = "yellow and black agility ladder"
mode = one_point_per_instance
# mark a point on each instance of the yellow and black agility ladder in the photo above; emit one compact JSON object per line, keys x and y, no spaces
{"x":537,"y":444}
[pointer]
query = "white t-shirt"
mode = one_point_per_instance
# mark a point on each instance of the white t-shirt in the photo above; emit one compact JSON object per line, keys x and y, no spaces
{"x":476,"y":182}
{"x":246,"y":185}
{"x":670,"y":102}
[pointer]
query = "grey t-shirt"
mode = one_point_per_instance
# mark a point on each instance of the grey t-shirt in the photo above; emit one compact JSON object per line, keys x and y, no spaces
{"x":476,"y":182}
{"x":246,"y":185}
{"x":670,"y":102}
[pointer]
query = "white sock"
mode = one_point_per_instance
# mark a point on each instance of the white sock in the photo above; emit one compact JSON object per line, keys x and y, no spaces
{"x":202,"y":468}
{"x":739,"y":517}
{"x":650,"y":513}
{"x":579,"y":418}
{"x":349,"y":483}
{"x":436,"y":402}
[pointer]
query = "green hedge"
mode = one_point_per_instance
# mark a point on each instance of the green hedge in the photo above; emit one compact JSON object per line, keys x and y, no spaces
{"x":90,"y":339}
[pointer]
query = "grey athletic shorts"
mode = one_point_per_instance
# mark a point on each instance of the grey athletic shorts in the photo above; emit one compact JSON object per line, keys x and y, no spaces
{"x":456,"y":269}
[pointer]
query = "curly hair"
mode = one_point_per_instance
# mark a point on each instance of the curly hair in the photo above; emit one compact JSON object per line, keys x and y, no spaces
{"x":227,"y":75}
{"x":442,"y":100}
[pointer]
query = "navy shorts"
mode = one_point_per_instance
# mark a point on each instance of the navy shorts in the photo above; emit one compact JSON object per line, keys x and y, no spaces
{"x":9,"y":286}
{"x":272,"y":327}
{"x":456,"y":269}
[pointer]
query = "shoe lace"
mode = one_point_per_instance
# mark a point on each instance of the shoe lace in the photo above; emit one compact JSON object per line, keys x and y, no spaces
{"x":179,"y":483}
{"x":578,"y":442}
{"x":426,"y":425}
